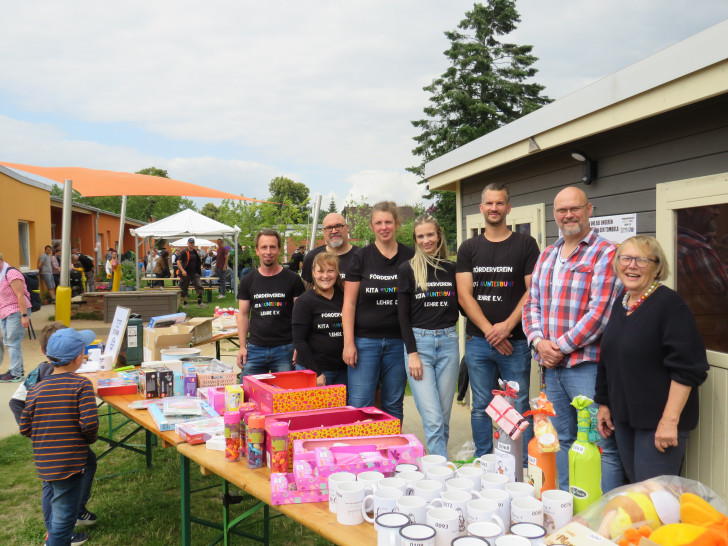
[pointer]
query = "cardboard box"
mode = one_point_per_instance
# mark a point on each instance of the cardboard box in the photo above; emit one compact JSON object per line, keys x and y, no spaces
{"x":165,"y":382}
{"x":197,"y":432}
{"x":166,"y":422}
{"x":283,"y":392}
{"x":164,"y":321}
{"x":148,"y":383}
{"x":343,"y":422}
{"x":156,"y":339}
{"x":200,"y":329}
{"x":285,"y":489}
{"x":116,"y":385}
{"x":576,"y":534}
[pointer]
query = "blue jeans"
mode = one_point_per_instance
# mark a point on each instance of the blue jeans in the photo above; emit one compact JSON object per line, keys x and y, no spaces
{"x":89,"y":471}
{"x":333,"y":377}
{"x":562,"y":385}
{"x":66,"y":495}
{"x":434,"y":393}
{"x":269,"y":359}
{"x":13,"y":334}
{"x":485,"y":365}
{"x":223,"y":275}
{"x":378,"y":360}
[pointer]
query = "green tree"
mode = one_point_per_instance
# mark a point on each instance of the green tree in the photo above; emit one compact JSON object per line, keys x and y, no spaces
{"x":487,"y":85}
{"x":332,"y":206}
{"x":210,"y":210}
{"x":294,"y":199}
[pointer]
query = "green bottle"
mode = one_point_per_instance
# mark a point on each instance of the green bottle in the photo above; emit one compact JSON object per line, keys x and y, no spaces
{"x":585,"y":460}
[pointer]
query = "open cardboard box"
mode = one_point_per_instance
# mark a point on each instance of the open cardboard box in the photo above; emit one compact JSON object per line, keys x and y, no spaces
{"x":156,"y":339}
{"x":200,"y":329}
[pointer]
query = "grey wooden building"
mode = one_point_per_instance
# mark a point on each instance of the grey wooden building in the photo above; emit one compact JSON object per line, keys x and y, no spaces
{"x":651,"y":141}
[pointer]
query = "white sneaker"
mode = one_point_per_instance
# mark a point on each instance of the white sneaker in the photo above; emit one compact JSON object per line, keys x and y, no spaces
{"x":220,"y":297}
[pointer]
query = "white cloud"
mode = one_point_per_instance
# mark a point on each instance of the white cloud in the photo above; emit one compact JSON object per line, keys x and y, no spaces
{"x":372,"y":186}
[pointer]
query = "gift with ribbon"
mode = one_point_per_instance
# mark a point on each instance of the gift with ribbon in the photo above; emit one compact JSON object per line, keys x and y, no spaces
{"x":504,"y":414}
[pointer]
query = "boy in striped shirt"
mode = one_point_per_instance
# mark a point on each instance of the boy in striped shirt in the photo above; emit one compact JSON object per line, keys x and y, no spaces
{"x":61,"y":419}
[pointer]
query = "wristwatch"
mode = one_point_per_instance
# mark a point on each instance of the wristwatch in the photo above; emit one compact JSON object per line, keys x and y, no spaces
{"x":24,"y":315}
{"x":535,"y":343}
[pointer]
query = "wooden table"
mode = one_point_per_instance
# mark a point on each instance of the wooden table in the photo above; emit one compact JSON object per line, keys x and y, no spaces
{"x":232,"y":337}
{"x":315,"y":516}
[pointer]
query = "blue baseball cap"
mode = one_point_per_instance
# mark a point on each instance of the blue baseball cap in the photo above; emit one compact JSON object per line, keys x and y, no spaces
{"x":67,"y":344}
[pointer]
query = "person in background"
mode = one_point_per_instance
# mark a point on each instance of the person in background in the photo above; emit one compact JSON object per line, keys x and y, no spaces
{"x":61,"y":419}
{"x":569,"y":301}
{"x":652,"y":362}
{"x":265,"y":299}
{"x":317,"y":334}
{"x":222,"y":271}
{"x":161,"y":267}
{"x":110,"y":267}
{"x":88,"y":270}
{"x":373,"y":346}
{"x":427,"y":306}
{"x":14,"y":318}
{"x":17,"y":404}
{"x":173,"y":258}
{"x":45,"y":272}
{"x":336,"y":241}
{"x":296,"y":259}
{"x":189,"y":264}
{"x":56,"y":266}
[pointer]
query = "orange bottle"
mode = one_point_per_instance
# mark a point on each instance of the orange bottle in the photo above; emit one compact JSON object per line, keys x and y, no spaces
{"x":541,"y":468}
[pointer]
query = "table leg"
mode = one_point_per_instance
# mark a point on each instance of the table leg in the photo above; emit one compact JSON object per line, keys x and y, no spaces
{"x":225,"y":515}
{"x":184,"y":464}
{"x":217,"y":349}
{"x":148,"y":447}
{"x":266,"y":525}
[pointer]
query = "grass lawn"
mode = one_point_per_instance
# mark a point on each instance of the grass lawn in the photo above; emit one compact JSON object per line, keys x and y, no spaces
{"x":135,"y":506}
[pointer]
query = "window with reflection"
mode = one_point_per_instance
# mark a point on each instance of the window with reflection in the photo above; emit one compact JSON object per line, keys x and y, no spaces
{"x":702,"y":270}
{"x":524,"y":229}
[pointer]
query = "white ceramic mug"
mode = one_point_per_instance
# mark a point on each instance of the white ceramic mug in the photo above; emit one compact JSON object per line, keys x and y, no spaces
{"x":526,"y":509}
{"x":410,"y":477}
{"x":439,"y":473}
{"x":427,"y":489}
{"x":414,"y":507}
{"x":471,"y":473}
{"x":380,"y":502}
{"x":458,"y":501}
{"x":485,"y":529}
{"x":417,"y":534}
{"x":107,"y":363}
{"x":94,"y":355}
{"x":489,"y":463}
{"x":428,"y":461}
{"x":445,"y":522}
{"x":493,"y":480}
{"x":511,"y":540}
{"x":469,"y":541}
{"x":388,"y":526}
{"x":484,"y":510}
{"x":405,"y":467}
{"x":349,"y":503}
{"x":558,"y":509}
{"x":502,"y":498}
{"x":520,"y":489}
{"x":460,"y":484}
{"x":393,"y":483}
{"x":534,"y":533}
{"x":370,"y":480}
{"x":334,"y":480}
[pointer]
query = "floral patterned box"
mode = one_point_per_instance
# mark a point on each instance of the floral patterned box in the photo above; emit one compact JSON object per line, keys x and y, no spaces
{"x":344,"y":422}
{"x":291,"y":391}
{"x":284,"y":489}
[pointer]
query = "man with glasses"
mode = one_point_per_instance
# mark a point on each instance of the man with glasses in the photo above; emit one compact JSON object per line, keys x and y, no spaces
{"x":568,"y":306}
{"x":336,"y":239}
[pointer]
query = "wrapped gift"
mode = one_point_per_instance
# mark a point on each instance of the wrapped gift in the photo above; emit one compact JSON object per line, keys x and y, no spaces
{"x":506,"y":417}
{"x":341,"y":422}
{"x":285,"y":490}
{"x":198,"y":432}
{"x":292,"y":391}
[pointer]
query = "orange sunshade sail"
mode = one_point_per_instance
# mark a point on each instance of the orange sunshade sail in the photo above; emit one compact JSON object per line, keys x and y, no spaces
{"x":97,"y":183}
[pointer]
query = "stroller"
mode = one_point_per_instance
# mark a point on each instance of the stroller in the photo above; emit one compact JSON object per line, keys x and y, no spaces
{"x":75,"y":281}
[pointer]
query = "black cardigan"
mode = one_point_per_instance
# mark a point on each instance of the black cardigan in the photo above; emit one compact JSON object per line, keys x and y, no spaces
{"x":642,"y":353}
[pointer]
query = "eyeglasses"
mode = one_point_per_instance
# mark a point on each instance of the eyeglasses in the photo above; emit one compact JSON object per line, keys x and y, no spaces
{"x":641,"y":261}
{"x":337,"y":227}
{"x":572,"y":210}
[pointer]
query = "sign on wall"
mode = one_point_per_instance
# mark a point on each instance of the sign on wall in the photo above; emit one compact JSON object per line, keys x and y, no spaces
{"x":616,"y":229}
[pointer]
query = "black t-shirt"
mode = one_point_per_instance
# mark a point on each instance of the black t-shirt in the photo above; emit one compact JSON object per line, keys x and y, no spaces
{"x":317,"y":333}
{"x":271,"y":306}
{"x":434,"y":309}
{"x":344,"y":261}
{"x":296,"y":259}
{"x":376,"y":304}
{"x":498,"y":275}
{"x":86,"y":262}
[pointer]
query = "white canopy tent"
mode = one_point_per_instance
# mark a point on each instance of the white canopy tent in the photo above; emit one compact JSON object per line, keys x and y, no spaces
{"x":187,"y":223}
{"x":199,"y":241}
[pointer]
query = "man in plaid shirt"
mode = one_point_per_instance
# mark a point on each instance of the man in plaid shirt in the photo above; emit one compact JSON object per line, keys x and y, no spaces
{"x":570,"y":298}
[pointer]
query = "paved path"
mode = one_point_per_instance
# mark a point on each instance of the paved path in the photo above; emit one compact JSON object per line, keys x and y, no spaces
{"x":460,"y":433}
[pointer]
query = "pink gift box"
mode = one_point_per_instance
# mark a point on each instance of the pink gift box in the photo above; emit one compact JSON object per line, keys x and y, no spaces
{"x":341,"y":422}
{"x":285,"y":489}
{"x":292,"y":391}
{"x":506,"y":417}
{"x":216,"y":398}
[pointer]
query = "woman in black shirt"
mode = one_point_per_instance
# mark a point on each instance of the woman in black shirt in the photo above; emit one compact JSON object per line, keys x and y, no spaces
{"x":428,"y":310}
{"x":317,"y":333}
{"x":373,"y":347}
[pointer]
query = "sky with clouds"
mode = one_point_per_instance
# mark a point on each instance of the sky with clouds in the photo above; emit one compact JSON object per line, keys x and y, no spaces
{"x":230,"y":94}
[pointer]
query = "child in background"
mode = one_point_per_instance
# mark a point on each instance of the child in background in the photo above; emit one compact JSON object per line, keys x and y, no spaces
{"x":61,"y":418}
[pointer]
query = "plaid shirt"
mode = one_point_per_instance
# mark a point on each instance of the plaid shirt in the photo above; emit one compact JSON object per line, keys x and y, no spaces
{"x":574,"y":311}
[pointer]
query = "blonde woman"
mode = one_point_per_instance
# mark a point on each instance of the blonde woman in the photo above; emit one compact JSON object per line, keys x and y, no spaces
{"x":428,"y":310}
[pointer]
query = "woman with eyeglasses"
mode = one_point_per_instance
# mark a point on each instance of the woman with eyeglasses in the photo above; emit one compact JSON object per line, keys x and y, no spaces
{"x":427,"y":305}
{"x":652,"y":362}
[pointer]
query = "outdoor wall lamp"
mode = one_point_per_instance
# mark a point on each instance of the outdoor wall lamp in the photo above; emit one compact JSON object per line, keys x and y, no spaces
{"x":590,"y":166}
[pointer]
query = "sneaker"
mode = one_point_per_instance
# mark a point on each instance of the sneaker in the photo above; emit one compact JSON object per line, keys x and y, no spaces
{"x":78,"y":538}
{"x":9,"y":378}
{"x":220,"y":297}
{"x":86,"y":518}
{"x":201,"y":305}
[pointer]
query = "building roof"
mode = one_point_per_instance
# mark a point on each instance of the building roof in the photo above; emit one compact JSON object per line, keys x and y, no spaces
{"x":24,"y":179}
{"x":58,"y":202}
{"x":689,"y":71}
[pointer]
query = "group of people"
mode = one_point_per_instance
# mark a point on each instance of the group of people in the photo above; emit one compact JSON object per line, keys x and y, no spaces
{"x":379,"y":316}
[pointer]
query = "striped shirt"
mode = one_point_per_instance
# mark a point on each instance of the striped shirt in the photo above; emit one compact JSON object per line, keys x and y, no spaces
{"x":574,"y":308}
{"x":61,"y":419}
